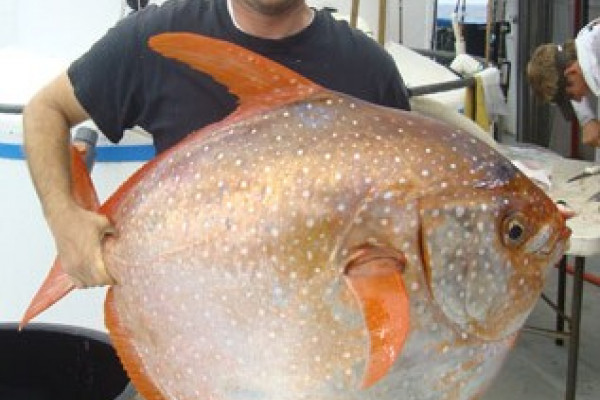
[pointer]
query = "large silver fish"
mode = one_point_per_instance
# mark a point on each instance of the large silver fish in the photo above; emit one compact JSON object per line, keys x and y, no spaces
{"x":314,"y":246}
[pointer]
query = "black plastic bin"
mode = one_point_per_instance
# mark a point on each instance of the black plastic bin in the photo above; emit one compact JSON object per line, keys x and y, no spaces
{"x":52,"y":362}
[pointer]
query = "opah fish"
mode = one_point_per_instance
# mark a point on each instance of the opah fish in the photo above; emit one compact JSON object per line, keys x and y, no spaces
{"x":314,"y":246}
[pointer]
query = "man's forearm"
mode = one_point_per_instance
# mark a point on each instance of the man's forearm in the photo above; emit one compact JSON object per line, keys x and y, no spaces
{"x":47,"y":121}
{"x":47,"y":147}
{"x":591,"y":133}
{"x":78,"y":233}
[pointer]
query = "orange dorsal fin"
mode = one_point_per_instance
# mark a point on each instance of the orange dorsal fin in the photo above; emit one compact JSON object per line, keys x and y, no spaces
{"x":58,"y":284}
{"x":258,"y":82}
{"x":375,"y":276}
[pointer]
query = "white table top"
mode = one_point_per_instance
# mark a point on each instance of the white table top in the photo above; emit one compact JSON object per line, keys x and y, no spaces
{"x":551,"y":167}
{"x":585,"y":239}
{"x":585,"y":225}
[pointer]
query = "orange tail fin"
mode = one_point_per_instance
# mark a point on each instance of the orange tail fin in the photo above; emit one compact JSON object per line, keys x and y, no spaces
{"x":58,"y":284}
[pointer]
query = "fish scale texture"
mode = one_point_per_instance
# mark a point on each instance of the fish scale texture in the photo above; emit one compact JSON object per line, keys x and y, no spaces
{"x":231,"y":256}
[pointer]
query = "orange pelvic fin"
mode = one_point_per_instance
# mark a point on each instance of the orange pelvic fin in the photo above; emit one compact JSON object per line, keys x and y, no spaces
{"x":375,"y":276}
{"x":257,"y":81}
{"x":58,"y":284}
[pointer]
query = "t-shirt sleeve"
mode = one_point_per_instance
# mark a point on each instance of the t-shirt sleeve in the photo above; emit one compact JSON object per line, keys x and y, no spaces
{"x":395,"y":93}
{"x":584,"y":110}
{"x":391,"y":89}
{"x":107,"y":78}
{"x":385,"y":80}
{"x":588,"y":55}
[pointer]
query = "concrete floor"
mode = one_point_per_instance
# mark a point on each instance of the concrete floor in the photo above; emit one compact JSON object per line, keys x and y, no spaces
{"x":536,"y":368}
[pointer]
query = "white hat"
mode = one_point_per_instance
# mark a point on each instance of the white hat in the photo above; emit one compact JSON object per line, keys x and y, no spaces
{"x":588,"y":55}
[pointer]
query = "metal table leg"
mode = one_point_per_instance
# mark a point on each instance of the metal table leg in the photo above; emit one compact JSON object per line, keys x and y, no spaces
{"x":575,"y":326}
{"x":560,"y":300}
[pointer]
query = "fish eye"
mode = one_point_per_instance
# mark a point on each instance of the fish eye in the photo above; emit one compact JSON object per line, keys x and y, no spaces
{"x":514,"y":230}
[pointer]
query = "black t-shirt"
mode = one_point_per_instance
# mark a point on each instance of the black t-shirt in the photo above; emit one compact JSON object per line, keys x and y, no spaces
{"x":122,"y":83}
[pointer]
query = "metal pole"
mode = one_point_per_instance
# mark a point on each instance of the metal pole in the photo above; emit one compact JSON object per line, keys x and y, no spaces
{"x":440,"y":87}
{"x":585,"y":12}
{"x":534,"y":28}
{"x":433,"y":42}
{"x":560,"y":301}
{"x":575,"y":327}
{"x":354,"y":13}
{"x":11,"y":109}
{"x":382,"y":21}
{"x":85,"y":140}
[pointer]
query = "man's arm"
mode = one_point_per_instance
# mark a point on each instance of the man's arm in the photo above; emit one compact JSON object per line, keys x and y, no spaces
{"x":588,"y":121}
{"x":591,"y":133}
{"x":78,"y":233}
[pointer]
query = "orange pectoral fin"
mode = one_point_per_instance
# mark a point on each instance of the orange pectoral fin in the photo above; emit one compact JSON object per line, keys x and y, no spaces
{"x":56,"y":286}
{"x":376,"y":280}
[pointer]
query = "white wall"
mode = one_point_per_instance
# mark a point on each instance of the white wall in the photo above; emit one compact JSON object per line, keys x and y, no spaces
{"x":27,"y":248}
{"x":58,"y":28}
{"x":37,"y":39}
{"x":369,"y":12}
{"x":417,"y":23}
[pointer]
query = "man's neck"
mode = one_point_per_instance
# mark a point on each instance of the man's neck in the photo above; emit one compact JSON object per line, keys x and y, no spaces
{"x":277,"y":26}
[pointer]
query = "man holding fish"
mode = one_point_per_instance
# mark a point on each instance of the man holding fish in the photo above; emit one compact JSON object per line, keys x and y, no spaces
{"x":310,"y":245}
{"x":119,"y":83}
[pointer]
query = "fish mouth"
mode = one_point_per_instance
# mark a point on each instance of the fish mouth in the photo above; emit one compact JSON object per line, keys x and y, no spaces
{"x":548,"y":241}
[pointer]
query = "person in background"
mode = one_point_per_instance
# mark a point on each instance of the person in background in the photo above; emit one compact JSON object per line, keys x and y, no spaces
{"x":120,"y":83}
{"x":568,"y":75}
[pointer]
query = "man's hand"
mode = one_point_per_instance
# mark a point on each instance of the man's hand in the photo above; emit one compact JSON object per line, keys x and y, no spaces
{"x":566,"y":211}
{"x":78,"y":235}
{"x":591,"y":133}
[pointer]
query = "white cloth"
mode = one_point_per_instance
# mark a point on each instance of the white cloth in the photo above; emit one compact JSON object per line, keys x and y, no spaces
{"x":495,"y":103}
{"x":465,"y":65}
{"x":587,"y":43}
